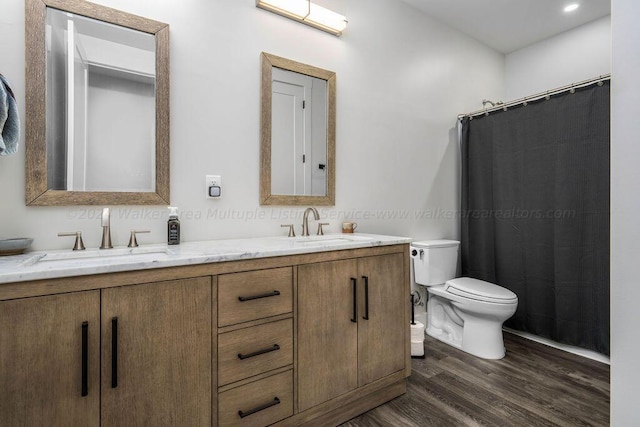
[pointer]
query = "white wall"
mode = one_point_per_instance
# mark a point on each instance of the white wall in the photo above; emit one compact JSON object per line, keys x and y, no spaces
{"x":401,"y":80}
{"x":573,"y":56}
{"x":625,"y":205}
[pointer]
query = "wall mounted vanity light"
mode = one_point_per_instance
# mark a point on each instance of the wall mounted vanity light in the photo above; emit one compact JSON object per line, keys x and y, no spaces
{"x":308,"y":13}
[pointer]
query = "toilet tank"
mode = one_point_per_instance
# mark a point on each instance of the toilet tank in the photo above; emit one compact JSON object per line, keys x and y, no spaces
{"x":434,"y":261}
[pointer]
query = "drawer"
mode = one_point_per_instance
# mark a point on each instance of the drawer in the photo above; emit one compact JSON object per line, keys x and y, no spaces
{"x":254,"y":295}
{"x":261,"y":402}
{"x":252,"y":351}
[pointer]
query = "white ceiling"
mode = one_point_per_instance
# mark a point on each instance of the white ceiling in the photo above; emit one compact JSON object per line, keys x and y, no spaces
{"x":509,"y":25}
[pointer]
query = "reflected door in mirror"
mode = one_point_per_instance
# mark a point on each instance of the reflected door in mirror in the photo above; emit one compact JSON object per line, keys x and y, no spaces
{"x":298,"y":134}
{"x":100,"y":123}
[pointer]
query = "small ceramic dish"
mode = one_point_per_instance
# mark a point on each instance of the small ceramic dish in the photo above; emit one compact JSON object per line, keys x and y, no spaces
{"x":14,"y":246}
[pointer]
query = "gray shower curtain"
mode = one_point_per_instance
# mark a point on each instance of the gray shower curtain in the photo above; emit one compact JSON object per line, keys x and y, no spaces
{"x":535,"y":212}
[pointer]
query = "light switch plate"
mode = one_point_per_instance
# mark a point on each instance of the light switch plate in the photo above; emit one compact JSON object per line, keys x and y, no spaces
{"x":213,"y":181}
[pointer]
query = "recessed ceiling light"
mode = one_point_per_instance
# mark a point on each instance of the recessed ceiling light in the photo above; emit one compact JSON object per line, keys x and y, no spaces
{"x":571,"y":7}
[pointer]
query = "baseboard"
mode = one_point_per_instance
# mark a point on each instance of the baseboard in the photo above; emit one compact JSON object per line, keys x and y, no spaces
{"x":579,"y":351}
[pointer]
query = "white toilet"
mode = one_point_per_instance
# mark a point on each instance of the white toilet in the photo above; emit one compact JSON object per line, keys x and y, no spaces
{"x":465,"y":313}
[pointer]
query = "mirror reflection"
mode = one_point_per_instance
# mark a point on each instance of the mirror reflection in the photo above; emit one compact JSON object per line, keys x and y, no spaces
{"x":100,"y":123}
{"x":297,"y":133}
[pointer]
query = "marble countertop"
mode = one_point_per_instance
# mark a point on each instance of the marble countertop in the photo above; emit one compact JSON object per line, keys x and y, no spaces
{"x":67,"y":263}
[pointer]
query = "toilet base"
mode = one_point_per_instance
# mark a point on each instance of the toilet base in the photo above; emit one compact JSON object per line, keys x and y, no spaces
{"x":446,"y":338}
{"x":475,"y":333}
{"x":443,"y":323}
{"x":483,"y":338}
{"x":494,"y":351}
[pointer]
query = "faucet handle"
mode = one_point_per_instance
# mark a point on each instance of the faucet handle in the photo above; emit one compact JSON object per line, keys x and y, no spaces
{"x":133,"y":242}
{"x":79,"y":244}
{"x":292,"y":233}
{"x":320,"y":231}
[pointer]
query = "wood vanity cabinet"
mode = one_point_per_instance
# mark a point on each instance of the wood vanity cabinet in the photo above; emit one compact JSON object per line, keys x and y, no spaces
{"x":155,"y":352}
{"x":351,"y":318}
{"x":306,"y":339}
{"x":49,"y":360}
{"x":255,"y":347}
{"x":340,"y":327}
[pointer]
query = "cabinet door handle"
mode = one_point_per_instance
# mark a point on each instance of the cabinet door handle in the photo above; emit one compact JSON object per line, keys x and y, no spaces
{"x":274,"y":402}
{"x":85,"y":359}
{"x":366,"y":297}
{"x":252,"y":297}
{"x":259,"y":352}
{"x":114,"y":352}
{"x":354,"y":282}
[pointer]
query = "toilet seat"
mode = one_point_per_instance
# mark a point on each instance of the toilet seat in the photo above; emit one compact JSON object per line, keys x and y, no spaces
{"x":480,"y":290}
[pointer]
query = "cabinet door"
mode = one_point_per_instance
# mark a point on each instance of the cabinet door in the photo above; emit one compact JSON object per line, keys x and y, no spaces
{"x":327,"y":336}
{"x":49,"y":361}
{"x":160,"y":371}
{"x":381,"y":337}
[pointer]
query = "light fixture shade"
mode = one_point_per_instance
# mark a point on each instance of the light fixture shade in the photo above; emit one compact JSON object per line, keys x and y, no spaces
{"x":296,"y":9}
{"x":308,"y":13}
{"x":332,"y":21}
{"x":571,"y":7}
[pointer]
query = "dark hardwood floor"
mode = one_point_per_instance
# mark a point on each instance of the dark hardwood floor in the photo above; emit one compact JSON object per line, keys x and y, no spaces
{"x":534,"y":385}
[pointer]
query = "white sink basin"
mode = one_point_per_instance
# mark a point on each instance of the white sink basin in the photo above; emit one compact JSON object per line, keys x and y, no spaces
{"x":134,"y":254}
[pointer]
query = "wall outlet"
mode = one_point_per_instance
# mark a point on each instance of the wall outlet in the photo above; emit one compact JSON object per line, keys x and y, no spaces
{"x":213,"y":186}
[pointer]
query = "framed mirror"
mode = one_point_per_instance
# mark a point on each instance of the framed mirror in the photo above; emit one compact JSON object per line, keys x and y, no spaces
{"x":297,"y":133}
{"x":97,"y":106}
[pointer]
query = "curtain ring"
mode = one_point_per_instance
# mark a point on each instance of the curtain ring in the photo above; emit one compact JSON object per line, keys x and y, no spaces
{"x":600,"y":83}
{"x":572,"y":90}
{"x":504,"y":108}
{"x":547,"y":96}
{"x":524,"y":102}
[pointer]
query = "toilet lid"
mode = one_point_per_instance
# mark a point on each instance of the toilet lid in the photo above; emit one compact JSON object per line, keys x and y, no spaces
{"x":435,"y":243}
{"x":480,"y":290}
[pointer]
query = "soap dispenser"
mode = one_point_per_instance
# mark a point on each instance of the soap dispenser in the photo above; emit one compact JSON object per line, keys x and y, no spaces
{"x":173,"y":227}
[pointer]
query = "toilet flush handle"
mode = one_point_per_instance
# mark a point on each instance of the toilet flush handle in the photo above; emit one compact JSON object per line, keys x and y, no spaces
{"x":414,"y":252}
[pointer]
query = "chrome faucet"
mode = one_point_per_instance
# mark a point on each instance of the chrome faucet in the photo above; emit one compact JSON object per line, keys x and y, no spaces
{"x":305,"y":220}
{"x":106,"y":230}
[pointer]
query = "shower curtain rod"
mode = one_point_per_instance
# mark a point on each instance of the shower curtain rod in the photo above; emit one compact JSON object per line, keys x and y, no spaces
{"x":526,"y":99}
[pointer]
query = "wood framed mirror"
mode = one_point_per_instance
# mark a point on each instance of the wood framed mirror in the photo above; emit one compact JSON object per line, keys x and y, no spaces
{"x":297,"y":133}
{"x":97,"y":106}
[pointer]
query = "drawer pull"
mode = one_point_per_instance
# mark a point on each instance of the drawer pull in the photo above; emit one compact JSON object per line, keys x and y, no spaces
{"x":85,"y":360}
{"x":259,"y":352}
{"x":252,"y":297}
{"x":274,"y":402}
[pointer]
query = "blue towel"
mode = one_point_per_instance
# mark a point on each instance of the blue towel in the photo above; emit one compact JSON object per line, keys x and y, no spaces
{"x":9,"y":119}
